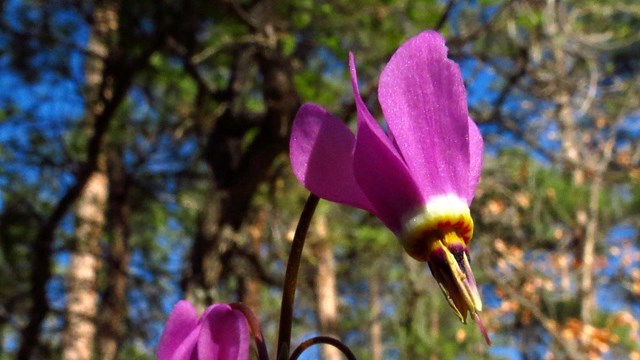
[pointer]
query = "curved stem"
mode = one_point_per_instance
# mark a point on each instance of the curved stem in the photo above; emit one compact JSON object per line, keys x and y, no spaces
{"x":291,"y":278}
{"x":254,"y":325}
{"x":322,"y":340}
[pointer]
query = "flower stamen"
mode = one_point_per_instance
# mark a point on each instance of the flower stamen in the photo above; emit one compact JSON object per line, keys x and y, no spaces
{"x":439,"y":235}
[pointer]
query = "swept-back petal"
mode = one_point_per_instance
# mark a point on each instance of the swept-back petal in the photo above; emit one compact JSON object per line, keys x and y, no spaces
{"x":423,"y":99}
{"x":187,"y":350}
{"x":175,"y":336}
{"x":322,"y":156}
{"x":224,"y":334}
{"x":379,"y":169}
{"x":476,"y":147}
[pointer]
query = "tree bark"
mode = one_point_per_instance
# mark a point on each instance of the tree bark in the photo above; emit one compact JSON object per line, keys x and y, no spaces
{"x":78,"y":336}
{"x":112,"y":329}
{"x":82,"y":292}
{"x":195,"y":283}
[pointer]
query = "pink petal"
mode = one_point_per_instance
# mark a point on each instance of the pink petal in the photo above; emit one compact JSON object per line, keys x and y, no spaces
{"x":224,"y":335}
{"x":175,"y":336}
{"x":187,"y":350}
{"x":379,"y":169}
{"x":322,"y":156}
{"x":476,"y":147}
{"x":422,"y":95}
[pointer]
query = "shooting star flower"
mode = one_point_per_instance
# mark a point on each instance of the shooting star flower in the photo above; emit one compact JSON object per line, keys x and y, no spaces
{"x":419,"y":178}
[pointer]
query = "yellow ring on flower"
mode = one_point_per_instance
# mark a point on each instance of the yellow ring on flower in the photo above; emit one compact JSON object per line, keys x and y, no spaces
{"x":424,"y":228}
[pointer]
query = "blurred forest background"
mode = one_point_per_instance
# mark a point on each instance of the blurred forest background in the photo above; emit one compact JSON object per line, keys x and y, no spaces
{"x":143,"y":159}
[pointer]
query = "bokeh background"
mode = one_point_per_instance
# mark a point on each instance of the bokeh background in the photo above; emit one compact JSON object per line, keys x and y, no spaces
{"x":143,"y":159}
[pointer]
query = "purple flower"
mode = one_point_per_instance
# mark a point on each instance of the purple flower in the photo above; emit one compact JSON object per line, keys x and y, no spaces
{"x":221,"y":333}
{"x":418,"y":178}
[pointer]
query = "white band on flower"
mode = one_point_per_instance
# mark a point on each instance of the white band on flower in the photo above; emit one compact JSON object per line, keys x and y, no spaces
{"x":437,"y":209}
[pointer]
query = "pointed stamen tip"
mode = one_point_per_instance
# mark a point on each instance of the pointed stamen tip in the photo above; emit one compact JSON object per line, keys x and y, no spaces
{"x":478,"y":321}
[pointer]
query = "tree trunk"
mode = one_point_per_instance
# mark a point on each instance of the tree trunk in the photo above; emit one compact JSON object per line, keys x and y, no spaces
{"x":114,"y":305}
{"x":78,"y":337}
{"x":82,"y":294}
{"x":238,"y":173}
{"x":195,"y":283}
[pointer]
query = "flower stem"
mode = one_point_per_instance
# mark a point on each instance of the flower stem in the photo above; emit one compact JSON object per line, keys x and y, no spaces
{"x":291,"y":278}
{"x":322,"y":340}
{"x":254,"y":326}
